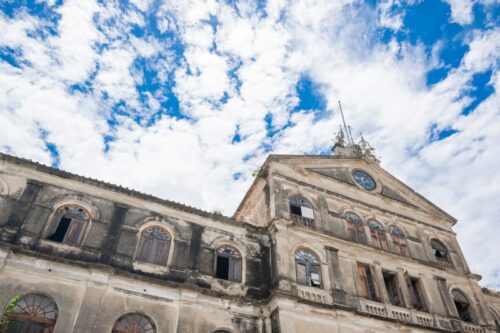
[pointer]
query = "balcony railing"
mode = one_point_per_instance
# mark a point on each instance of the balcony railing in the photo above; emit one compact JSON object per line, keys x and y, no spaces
{"x":445,"y":263}
{"x":303,"y":221}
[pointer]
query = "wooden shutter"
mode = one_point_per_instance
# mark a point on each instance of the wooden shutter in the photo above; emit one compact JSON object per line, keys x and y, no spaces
{"x":375,"y":239}
{"x":301,"y":273}
{"x":145,"y":250}
{"x":382,"y":239}
{"x":352,"y":232}
{"x":159,"y":251}
{"x":75,"y":231}
{"x":372,"y":289}
{"x":363,"y":285}
{"x":361,"y":233}
{"x":235,"y":269}
{"x":413,"y":296}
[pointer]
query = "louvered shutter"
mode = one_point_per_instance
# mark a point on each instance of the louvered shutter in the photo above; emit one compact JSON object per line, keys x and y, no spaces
{"x":235,"y":269}
{"x":145,"y":249}
{"x":363,"y":285}
{"x":301,"y":273}
{"x":159,"y":251}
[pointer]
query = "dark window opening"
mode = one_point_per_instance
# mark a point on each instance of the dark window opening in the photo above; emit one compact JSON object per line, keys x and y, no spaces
{"x":60,"y":233}
{"x":463,"y":306}
{"x":228,"y":264}
{"x":416,"y":294}
{"x":295,"y":210}
{"x":367,"y":282}
{"x":222,"y":268}
{"x":392,"y":287}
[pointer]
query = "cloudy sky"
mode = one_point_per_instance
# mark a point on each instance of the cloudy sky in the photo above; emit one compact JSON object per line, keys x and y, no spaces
{"x":185,"y":99}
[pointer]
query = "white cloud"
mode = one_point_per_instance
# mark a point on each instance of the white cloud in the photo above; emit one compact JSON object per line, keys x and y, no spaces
{"x":229,"y":77}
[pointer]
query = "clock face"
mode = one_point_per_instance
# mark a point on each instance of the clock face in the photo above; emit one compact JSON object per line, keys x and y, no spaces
{"x":364,"y":180}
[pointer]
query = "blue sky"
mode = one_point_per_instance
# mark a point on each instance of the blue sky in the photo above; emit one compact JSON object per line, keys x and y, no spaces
{"x":185,"y":99}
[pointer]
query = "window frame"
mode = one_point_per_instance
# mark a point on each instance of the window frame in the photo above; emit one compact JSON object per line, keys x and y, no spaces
{"x":355,"y":229}
{"x":75,"y":223}
{"x":469,"y":309}
{"x":368,"y":284}
{"x":443,"y":260}
{"x":300,"y":204}
{"x":417,"y":296}
{"x":144,"y":317}
{"x":155,"y":243}
{"x":309,"y":267}
{"x":399,"y":243}
{"x":378,"y":234}
{"x":233,"y":275}
{"x":35,"y":318}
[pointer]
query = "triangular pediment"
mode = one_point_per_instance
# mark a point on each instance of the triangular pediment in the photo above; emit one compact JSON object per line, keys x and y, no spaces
{"x":338,"y":169}
{"x":342,"y":174}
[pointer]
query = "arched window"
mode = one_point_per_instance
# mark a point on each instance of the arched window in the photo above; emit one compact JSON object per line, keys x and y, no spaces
{"x":134,"y":323}
{"x":308,"y":269}
{"x":379,"y":238}
{"x":154,"y":246}
{"x":301,"y":212}
{"x":228,"y":264}
{"x":463,"y":306}
{"x":441,"y":254}
{"x":399,"y":240}
{"x":33,"y":313}
{"x":69,"y":225}
{"x":355,"y":227}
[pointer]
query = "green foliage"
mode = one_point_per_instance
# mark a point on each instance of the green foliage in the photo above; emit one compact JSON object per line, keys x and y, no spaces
{"x":10,"y":307}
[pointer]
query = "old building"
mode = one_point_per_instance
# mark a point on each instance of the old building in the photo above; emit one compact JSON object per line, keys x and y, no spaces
{"x":319,"y":244}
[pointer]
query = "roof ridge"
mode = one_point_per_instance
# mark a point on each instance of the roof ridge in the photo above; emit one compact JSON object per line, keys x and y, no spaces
{"x":119,"y":188}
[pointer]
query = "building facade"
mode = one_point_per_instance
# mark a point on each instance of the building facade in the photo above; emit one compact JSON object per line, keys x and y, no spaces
{"x":319,"y":244}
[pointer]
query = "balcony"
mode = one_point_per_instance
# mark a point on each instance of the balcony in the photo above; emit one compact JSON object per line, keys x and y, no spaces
{"x":442,"y":262}
{"x":405,"y":315}
{"x":314,"y":294}
{"x":303,"y":221}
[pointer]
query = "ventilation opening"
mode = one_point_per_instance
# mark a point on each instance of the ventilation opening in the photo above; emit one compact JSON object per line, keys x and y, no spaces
{"x":222,"y":271}
{"x":60,"y":233}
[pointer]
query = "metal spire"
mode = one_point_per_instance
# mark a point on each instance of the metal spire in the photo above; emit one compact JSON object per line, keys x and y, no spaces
{"x":347,"y":131}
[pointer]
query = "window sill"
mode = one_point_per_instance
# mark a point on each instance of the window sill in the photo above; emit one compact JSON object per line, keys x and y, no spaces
{"x":149,"y":267}
{"x":228,"y":287}
{"x":44,"y":243}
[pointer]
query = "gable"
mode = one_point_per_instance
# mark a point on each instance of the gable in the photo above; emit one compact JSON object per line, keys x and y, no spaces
{"x":342,"y":174}
{"x":338,"y":169}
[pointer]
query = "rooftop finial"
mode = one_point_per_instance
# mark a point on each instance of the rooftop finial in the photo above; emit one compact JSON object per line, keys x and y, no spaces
{"x":361,"y":149}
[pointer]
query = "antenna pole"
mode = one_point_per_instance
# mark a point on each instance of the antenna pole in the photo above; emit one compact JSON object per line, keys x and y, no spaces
{"x":345,"y":126}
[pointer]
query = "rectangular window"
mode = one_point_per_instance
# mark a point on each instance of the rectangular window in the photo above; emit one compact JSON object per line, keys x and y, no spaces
{"x":367,"y":282}
{"x":392,"y":287}
{"x":416,"y":293}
